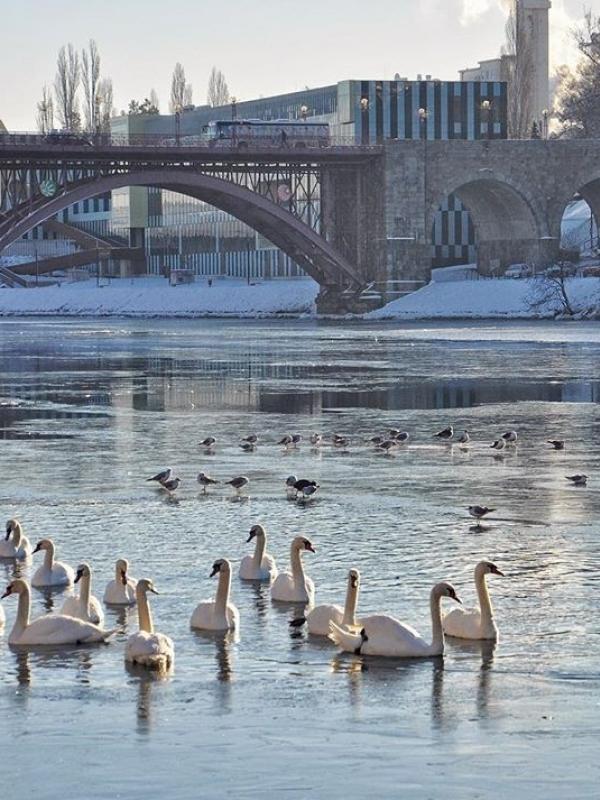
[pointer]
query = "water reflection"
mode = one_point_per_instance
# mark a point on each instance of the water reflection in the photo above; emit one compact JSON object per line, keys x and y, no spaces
{"x":223,"y":642}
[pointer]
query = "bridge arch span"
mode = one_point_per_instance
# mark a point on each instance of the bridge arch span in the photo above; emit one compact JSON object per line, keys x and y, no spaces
{"x":317,"y":257}
{"x":509,"y":227}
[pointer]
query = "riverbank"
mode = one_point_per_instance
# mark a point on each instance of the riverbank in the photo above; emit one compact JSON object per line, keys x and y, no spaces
{"x":153,"y":297}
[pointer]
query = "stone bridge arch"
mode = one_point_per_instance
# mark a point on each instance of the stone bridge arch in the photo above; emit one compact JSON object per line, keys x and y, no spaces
{"x":317,"y":257}
{"x":510,"y":224}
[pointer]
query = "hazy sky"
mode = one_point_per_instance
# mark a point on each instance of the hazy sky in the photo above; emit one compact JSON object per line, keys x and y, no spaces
{"x":264,"y":47}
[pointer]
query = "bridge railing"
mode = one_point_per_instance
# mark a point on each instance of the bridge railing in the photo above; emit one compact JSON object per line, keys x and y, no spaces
{"x":62,"y":140}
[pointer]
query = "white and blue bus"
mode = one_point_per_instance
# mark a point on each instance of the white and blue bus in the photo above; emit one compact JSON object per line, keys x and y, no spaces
{"x":245,"y":133}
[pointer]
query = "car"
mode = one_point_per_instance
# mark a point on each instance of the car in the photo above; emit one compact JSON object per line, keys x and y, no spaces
{"x":518,"y":271}
{"x":68,"y":137}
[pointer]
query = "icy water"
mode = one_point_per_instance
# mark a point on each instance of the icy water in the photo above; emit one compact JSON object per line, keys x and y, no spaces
{"x":89,"y":409}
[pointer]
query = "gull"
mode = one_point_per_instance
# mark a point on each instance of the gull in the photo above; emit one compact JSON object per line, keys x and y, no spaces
{"x":402,"y":436}
{"x":388,"y":445}
{"x":296,"y":438}
{"x":393,"y":433}
{"x":251,"y":438}
{"x":286,"y":441}
{"x":290,"y":483}
{"x":303,"y":484}
{"x":309,"y":491}
{"x":209,"y":442}
{"x":577,"y":480}
{"x":205,"y":481}
{"x":499,"y":444}
{"x":248,"y":447}
{"x":341,"y":441}
{"x":557,"y":444}
{"x":162,"y":476}
{"x":447,"y":433}
{"x":316,"y":439}
{"x":510,"y":437}
{"x":464,"y":438}
{"x":171,"y":485}
{"x":376,"y":440}
{"x":239,"y":483}
{"x":479,"y":512}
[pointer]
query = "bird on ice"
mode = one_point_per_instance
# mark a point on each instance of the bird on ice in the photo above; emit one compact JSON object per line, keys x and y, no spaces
{"x":388,"y":445}
{"x":161,"y":476}
{"x":557,"y":444}
{"x":316,"y":439}
{"x":209,"y":442}
{"x":296,"y":439}
{"x":577,"y":480}
{"x":286,"y":440}
{"x":447,"y":433}
{"x":205,"y":481}
{"x":239,"y":483}
{"x":479,"y":512}
{"x":252,"y":438}
{"x":499,"y":444}
{"x":171,"y":485}
{"x":309,"y":491}
{"x":402,"y":437}
{"x":248,"y":447}
{"x":510,"y":437}
{"x":464,"y":438}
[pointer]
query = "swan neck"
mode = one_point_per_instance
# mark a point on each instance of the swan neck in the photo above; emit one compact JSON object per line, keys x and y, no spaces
{"x":22,"y":619}
{"x":222,"y":597}
{"x":49,"y":556}
{"x":259,"y":550}
{"x":297,"y":568}
{"x":485,"y":603}
{"x":144,"y":613}
{"x":437,"y":633}
{"x":350,"y":604}
{"x":85,"y":591}
{"x":16,"y":537}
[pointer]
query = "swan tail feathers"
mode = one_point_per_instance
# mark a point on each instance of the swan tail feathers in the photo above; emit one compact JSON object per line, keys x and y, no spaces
{"x":350,"y":642}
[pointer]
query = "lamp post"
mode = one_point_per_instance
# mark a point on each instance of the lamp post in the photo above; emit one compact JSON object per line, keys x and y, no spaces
{"x":545,"y":119}
{"x":486,"y":107}
{"x":233,"y":108}
{"x":364,"y":120}
{"x":177,"y":125}
{"x":423,"y":123}
{"x":423,"y":132}
{"x":304,"y":112}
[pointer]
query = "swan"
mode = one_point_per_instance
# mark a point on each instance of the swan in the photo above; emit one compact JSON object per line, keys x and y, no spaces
{"x":52,"y":629}
{"x":475,"y":623}
{"x":147,"y":648}
{"x":85,"y":606}
{"x":382,"y":635}
{"x":51,"y":573}
{"x":319,"y":618}
{"x":15,"y":545}
{"x":218,"y":614}
{"x":261,"y":566}
{"x":295,"y":586}
{"x":121,"y":590}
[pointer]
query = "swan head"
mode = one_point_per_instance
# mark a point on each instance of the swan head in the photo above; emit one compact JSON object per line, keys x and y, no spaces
{"x":18,"y":586}
{"x":44,"y":544}
{"x":354,"y":578}
{"x":83,"y":570}
{"x":12,"y":526}
{"x":146,"y":585}
{"x":220,"y":565}
{"x":255,"y":530}
{"x":300,"y":543}
{"x":445,"y":589}
{"x":487,"y":568}
{"x":122,"y":566}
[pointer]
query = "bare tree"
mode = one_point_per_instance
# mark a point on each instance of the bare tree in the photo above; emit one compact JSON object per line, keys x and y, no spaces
{"x":181,"y":92}
{"x":550,"y":291}
{"x":90,"y":78}
{"x":154,"y":101}
{"x":105,"y":104}
{"x":578,"y":95}
{"x":218,"y":91}
{"x":66,"y":84}
{"x":519,"y":68}
{"x":45,"y":111}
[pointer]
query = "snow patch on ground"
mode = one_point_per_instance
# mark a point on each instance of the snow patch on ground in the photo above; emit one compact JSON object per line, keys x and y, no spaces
{"x":153,"y":297}
{"x":490,"y":299}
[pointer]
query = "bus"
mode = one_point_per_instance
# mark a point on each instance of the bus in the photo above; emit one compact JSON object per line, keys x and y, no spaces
{"x":245,"y":133}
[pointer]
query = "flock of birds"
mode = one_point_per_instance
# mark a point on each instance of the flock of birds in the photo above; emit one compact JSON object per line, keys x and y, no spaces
{"x":81,"y":618}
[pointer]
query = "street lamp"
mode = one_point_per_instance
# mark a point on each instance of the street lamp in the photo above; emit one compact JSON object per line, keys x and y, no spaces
{"x":545,"y":118}
{"x":486,"y":107}
{"x":364,"y":120}
{"x":422,"y":112}
{"x":304,"y":112}
{"x":177,"y":124}
{"x":233,"y":108}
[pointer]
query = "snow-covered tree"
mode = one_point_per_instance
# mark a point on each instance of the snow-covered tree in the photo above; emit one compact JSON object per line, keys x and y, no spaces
{"x":578,"y":96}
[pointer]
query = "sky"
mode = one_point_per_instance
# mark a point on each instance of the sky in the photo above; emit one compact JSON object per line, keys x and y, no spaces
{"x":264,"y":47}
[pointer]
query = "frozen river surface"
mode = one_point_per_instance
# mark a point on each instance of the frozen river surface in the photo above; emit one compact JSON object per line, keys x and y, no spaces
{"x":89,"y":409}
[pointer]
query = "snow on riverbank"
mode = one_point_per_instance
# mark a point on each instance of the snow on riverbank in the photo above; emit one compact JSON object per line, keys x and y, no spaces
{"x":153,"y":297}
{"x":490,"y":299}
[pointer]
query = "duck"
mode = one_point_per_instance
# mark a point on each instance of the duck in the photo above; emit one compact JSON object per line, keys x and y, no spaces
{"x":295,"y":586}
{"x":218,"y":614}
{"x":475,"y":623}
{"x":252,"y":438}
{"x":384,"y":635}
{"x":15,"y":545}
{"x":85,"y":606}
{"x":317,"y":620}
{"x":121,"y":590}
{"x":260,"y":566}
{"x":208,"y":443}
{"x":49,"y":629}
{"x":577,"y":480}
{"x":557,"y":444}
{"x":146,"y":648}
{"x":51,"y":573}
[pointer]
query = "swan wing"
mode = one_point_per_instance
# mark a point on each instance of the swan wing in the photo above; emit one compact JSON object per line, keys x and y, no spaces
{"x":465,"y":623}
{"x":283,"y":587}
{"x":233,"y":616}
{"x":319,"y":618}
{"x":203,"y":615}
{"x":142,"y":644}
{"x":387,"y":636}
{"x":269,"y":567}
{"x":247,"y":571}
{"x":57,"y":629}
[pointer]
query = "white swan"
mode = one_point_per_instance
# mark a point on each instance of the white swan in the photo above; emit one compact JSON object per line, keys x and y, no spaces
{"x":218,"y":614}
{"x":295,"y":586}
{"x":319,"y":618}
{"x":382,"y":635}
{"x":121,"y":590}
{"x":475,"y":623}
{"x":147,"y":648}
{"x":51,"y":573}
{"x":85,"y":606}
{"x":51,"y":629}
{"x":15,"y":545}
{"x":261,"y":566}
